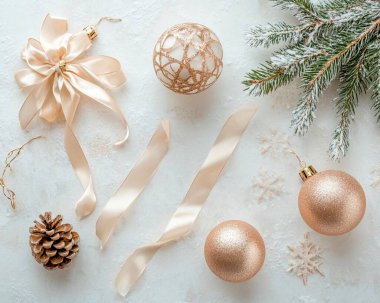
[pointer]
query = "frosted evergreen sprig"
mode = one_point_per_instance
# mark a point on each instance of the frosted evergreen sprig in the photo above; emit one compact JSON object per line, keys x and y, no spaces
{"x":336,"y":39}
{"x":355,"y":79}
{"x":376,"y":79}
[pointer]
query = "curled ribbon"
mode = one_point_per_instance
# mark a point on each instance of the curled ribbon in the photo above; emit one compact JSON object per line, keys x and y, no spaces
{"x":134,"y":183}
{"x":57,"y":76}
{"x":183,"y":219}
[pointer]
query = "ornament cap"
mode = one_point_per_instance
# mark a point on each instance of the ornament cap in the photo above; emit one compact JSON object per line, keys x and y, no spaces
{"x":91,"y":32}
{"x":91,"y":29}
{"x":307,"y":172}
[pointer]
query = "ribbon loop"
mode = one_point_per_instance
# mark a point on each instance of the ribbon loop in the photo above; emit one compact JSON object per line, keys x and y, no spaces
{"x":25,"y":78}
{"x":183,"y":219}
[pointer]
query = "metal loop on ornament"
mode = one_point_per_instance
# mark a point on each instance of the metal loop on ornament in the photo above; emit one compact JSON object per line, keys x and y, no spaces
{"x":301,"y":163}
{"x":109,"y":19}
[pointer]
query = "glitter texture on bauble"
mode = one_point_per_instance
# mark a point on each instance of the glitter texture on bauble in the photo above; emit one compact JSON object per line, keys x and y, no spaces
{"x":234,"y":251}
{"x":331,"y":202}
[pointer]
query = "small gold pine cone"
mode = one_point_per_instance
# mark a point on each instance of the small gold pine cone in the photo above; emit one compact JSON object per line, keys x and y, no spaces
{"x":53,"y":244}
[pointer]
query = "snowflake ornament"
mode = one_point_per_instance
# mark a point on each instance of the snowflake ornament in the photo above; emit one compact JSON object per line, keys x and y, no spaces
{"x":306,"y":259}
{"x":267,"y":186}
{"x":274,"y":143}
{"x":375,"y":174}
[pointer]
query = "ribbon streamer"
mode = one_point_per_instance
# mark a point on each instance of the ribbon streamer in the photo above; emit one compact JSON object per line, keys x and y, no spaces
{"x":134,"y":183}
{"x":58,"y":74}
{"x":183,"y":219}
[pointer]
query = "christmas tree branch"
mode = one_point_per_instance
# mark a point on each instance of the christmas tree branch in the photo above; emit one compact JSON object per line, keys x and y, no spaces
{"x":376,"y":98}
{"x":353,"y":81}
{"x":266,"y":79}
{"x":283,"y":67}
{"x":340,"y":54}
{"x":337,"y":6}
{"x":305,"y":10}
{"x":335,"y":38}
{"x":319,"y":75}
{"x":376,"y":82}
{"x":340,"y":20}
{"x":275,"y":33}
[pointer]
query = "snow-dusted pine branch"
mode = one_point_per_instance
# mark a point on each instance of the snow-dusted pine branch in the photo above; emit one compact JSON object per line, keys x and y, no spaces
{"x":335,"y":39}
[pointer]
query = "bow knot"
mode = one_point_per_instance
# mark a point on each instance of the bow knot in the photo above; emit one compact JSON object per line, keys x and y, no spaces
{"x":61,"y":65}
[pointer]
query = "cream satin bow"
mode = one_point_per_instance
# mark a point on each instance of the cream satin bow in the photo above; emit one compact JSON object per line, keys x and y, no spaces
{"x":57,"y":76}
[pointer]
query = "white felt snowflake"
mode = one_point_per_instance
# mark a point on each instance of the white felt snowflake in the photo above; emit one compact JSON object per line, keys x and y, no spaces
{"x":267,"y":186}
{"x":306,"y":258}
{"x":274,"y":143}
{"x":375,"y":174}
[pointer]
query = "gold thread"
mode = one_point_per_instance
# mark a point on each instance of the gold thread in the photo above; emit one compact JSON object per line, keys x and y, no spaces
{"x":11,"y":156}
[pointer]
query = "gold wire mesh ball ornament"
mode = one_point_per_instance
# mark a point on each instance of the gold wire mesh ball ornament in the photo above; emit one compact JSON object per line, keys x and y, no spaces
{"x":188,"y":58}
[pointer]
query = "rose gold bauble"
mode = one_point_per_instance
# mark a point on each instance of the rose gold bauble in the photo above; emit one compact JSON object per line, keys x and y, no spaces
{"x":332,"y":202}
{"x":234,"y":251}
{"x":187,"y":58}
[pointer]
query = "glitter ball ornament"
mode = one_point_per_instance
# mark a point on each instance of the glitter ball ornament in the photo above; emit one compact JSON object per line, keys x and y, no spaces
{"x":331,"y":202}
{"x":188,"y":58}
{"x":234,"y":251}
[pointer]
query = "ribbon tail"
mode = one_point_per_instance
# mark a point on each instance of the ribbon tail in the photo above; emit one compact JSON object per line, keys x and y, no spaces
{"x":183,"y":219}
{"x":133,"y":268}
{"x":98,"y":94}
{"x":87,"y":203}
{"x":135,"y":182}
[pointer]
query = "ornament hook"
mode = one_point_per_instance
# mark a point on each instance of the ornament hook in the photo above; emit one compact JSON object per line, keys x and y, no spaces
{"x":301,"y":163}
{"x":109,"y":19}
{"x":306,"y":170}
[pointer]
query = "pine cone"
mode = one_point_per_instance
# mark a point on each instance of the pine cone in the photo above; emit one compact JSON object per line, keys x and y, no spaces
{"x":53,"y":244}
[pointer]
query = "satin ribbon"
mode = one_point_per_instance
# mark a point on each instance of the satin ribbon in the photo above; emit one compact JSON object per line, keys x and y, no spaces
{"x":134,"y":183}
{"x":183,"y":219}
{"x":57,"y":76}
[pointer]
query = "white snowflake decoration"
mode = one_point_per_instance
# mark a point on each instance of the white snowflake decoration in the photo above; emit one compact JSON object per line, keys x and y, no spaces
{"x":306,"y":259}
{"x":375,"y":177}
{"x":274,"y":143}
{"x":267,"y":186}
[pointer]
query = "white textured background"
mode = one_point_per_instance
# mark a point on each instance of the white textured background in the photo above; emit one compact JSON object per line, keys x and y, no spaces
{"x":44,"y":180}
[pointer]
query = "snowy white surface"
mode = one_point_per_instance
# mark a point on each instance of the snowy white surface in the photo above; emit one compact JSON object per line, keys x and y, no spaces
{"x":44,"y":180}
